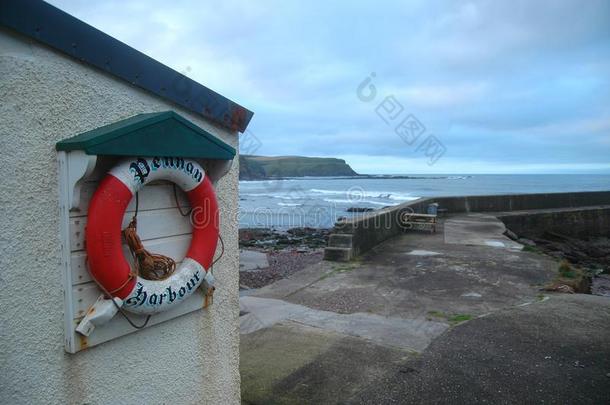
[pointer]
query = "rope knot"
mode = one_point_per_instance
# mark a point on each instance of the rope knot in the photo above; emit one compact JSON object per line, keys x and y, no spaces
{"x":150,"y":266}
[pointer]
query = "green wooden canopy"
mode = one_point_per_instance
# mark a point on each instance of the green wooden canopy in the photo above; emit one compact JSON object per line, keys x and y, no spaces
{"x":152,"y":134}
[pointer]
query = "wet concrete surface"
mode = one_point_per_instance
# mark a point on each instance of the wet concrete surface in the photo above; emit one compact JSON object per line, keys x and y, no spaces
{"x":478,"y":229}
{"x":252,"y":260}
{"x":495,"y":289}
{"x":409,"y":334}
{"x":291,"y":363}
{"x":553,"y":352}
{"x":391,"y":281}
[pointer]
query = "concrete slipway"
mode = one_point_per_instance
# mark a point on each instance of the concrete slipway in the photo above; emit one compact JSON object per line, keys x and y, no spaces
{"x":451,"y":317}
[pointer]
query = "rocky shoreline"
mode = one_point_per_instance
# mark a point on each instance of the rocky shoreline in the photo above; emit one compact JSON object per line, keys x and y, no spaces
{"x":272,"y":239}
{"x":589,"y":257}
{"x":591,"y":253}
{"x":286,"y":251}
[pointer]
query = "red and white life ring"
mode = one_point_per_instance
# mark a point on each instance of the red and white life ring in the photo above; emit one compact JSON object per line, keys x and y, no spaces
{"x":106,"y":260}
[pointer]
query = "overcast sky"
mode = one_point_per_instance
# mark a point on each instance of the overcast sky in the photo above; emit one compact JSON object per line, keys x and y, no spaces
{"x":504,"y":87}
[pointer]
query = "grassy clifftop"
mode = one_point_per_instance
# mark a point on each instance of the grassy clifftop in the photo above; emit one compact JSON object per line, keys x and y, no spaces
{"x":264,"y":167}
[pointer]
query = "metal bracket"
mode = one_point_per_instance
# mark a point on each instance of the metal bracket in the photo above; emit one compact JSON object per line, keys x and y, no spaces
{"x":208,"y":288}
{"x":208,"y":282}
{"x":99,"y":313}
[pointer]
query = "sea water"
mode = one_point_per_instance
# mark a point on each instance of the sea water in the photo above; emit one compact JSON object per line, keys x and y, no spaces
{"x":319,"y":201}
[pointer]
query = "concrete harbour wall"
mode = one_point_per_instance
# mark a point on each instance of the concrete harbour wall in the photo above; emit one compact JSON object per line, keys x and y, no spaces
{"x":574,"y":222}
{"x":354,"y":236}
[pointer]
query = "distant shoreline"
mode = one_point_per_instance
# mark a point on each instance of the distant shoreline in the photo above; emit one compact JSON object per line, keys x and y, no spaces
{"x":253,"y":167}
{"x":257,"y":168}
{"x":364,"y":177}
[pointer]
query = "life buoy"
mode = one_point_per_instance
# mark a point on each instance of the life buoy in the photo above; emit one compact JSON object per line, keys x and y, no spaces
{"x":106,"y":260}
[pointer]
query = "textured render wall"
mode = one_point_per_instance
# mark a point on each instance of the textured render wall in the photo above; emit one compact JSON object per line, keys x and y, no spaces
{"x":46,"y":97}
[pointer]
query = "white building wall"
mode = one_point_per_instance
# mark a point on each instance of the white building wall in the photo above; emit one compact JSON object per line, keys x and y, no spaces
{"x":46,"y":97}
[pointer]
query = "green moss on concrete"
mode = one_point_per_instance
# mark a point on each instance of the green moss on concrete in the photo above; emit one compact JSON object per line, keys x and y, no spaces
{"x":339,"y":269}
{"x":533,"y":249}
{"x":452,"y":319}
{"x":291,"y":363}
{"x":437,"y":314}
{"x":576,"y":278}
{"x":459,"y":318}
{"x":566,"y":270}
{"x":264,"y":364}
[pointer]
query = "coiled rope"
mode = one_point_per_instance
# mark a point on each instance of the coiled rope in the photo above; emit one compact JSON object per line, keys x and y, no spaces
{"x":150,"y":266}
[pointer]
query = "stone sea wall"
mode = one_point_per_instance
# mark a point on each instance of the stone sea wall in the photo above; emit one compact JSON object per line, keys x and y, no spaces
{"x":574,"y":222}
{"x":354,"y":236}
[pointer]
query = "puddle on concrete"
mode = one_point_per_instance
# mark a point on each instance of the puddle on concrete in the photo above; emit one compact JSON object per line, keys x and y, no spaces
{"x":418,"y":252}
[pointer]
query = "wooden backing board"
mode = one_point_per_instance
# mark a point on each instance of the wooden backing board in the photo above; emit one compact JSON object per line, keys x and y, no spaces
{"x":160,"y":226}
